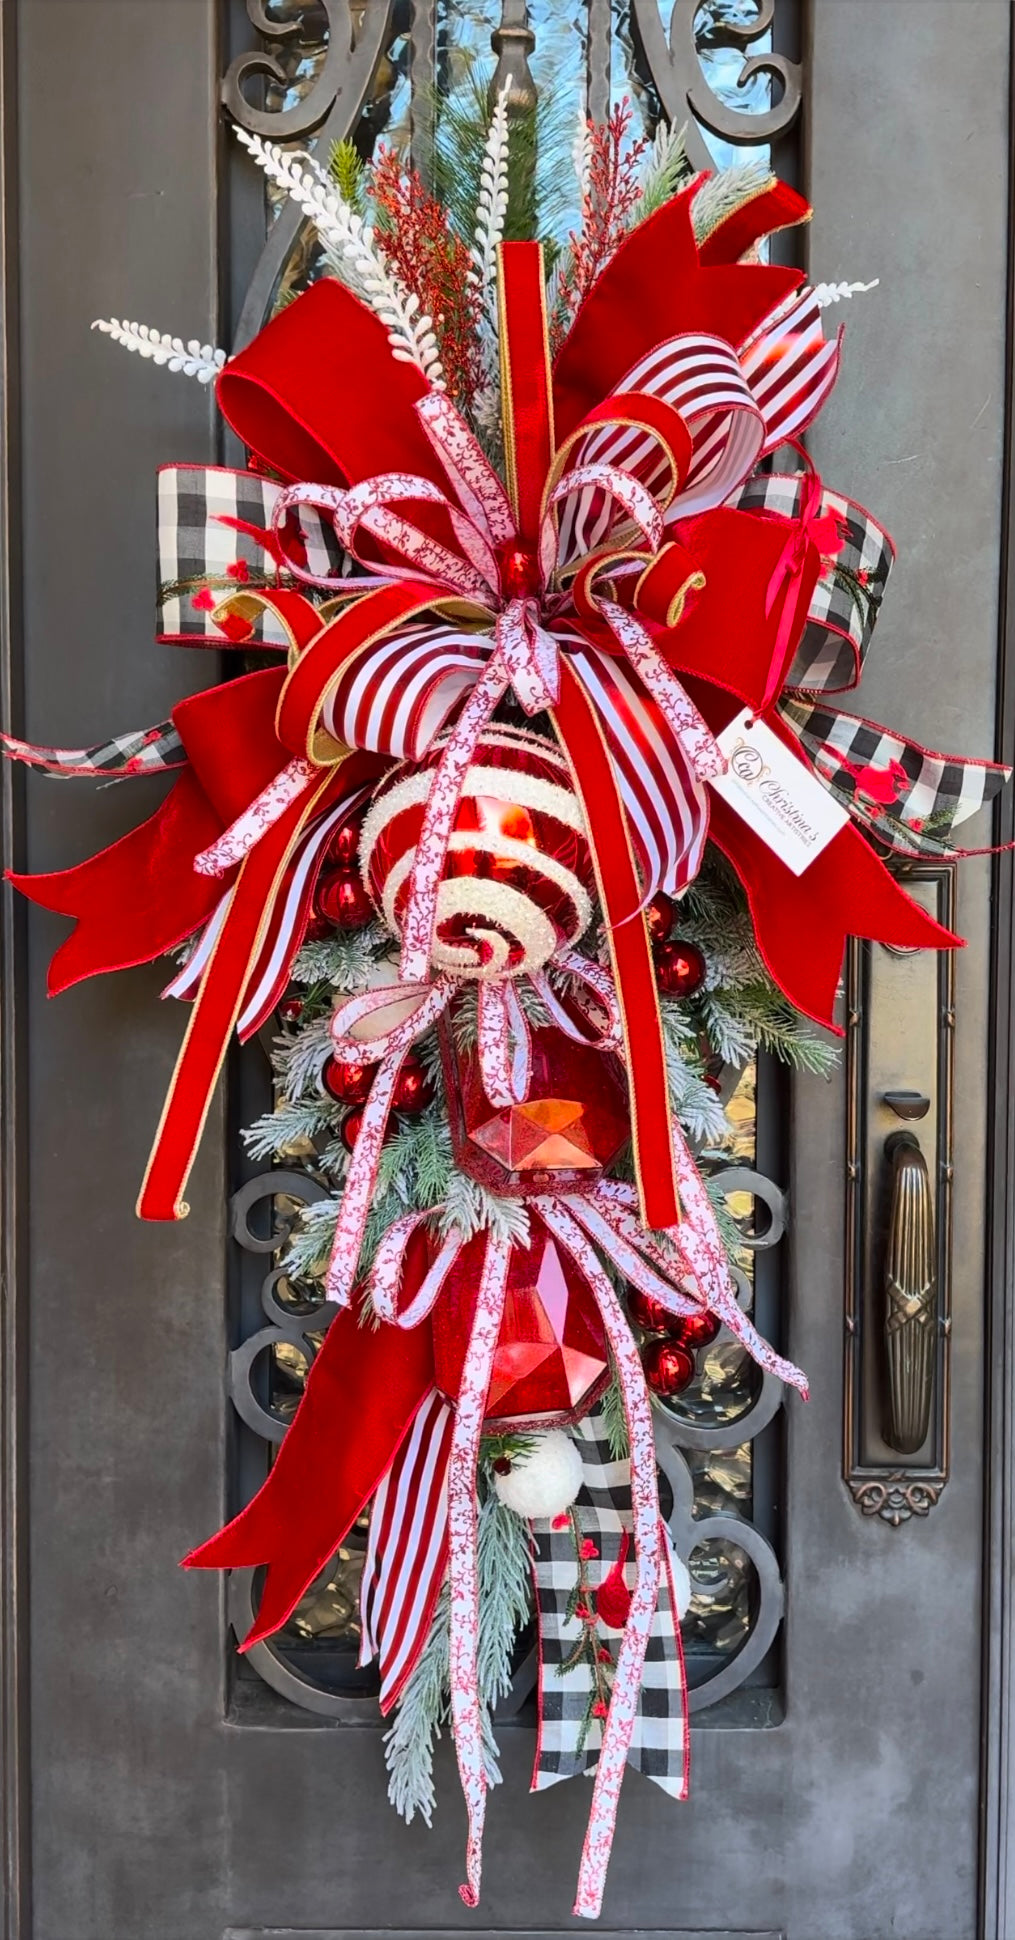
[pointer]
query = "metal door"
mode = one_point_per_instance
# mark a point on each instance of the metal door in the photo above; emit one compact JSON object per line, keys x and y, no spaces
{"x":154,"y":1789}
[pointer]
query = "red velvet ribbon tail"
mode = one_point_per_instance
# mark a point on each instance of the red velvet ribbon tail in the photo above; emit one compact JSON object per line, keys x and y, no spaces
{"x":362,"y":1394}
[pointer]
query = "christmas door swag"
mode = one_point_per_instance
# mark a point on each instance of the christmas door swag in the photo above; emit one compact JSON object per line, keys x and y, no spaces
{"x":537,"y":807}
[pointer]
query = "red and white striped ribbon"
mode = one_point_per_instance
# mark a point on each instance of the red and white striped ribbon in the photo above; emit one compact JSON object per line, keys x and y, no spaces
{"x":407,"y":1550}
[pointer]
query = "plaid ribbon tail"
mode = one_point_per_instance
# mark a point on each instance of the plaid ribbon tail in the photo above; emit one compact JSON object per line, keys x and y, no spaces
{"x":909,"y":798}
{"x":215,"y":539}
{"x":145,"y":751}
{"x":568,"y":1743}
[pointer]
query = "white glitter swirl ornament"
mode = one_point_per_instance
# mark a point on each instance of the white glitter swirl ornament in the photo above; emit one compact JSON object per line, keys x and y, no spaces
{"x":518,"y":878}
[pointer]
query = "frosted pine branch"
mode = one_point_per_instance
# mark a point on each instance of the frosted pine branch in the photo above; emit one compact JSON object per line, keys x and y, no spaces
{"x":665,"y":165}
{"x":352,"y":252}
{"x":720,"y":195}
{"x":194,"y":359}
{"x":828,"y":293}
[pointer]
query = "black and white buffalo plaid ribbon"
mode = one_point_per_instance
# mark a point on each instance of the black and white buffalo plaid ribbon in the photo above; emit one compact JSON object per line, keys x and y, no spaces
{"x":214,"y":539}
{"x":145,"y":751}
{"x":567,"y":1742}
{"x":909,"y":797}
{"x":847,"y":598}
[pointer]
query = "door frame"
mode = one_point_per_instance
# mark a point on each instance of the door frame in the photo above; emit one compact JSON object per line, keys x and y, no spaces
{"x":997,"y":1795}
{"x":997,"y":1792}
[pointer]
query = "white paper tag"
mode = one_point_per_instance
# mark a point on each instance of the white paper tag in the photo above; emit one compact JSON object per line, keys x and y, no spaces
{"x":776,"y":795}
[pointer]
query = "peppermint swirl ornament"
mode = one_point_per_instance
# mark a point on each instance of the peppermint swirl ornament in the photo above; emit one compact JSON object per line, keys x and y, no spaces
{"x":518,"y":877}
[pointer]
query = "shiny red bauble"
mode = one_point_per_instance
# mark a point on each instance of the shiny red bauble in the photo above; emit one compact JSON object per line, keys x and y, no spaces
{"x":316,"y":929}
{"x":680,"y":968}
{"x":648,"y":1313}
{"x":343,"y":849}
{"x":669,"y":1368}
{"x":342,"y":900}
{"x":659,"y":916}
{"x":413,"y":1088}
{"x":291,"y":1010}
{"x":695,"y":1330}
{"x":348,"y":1084}
{"x":350,"y":1129}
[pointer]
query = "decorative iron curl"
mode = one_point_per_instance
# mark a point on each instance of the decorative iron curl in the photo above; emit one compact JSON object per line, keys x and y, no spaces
{"x":333,"y":107}
{"x":677,"y":71}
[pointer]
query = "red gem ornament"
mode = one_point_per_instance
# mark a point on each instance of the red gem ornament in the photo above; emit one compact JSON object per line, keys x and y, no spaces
{"x":669,"y":1367}
{"x":659,"y":916}
{"x":348,"y":1084}
{"x":680,"y":968}
{"x":551,"y":1358}
{"x":342,"y":900}
{"x":695,"y":1330}
{"x":413,"y":1089}
{"x":569,"y":1129}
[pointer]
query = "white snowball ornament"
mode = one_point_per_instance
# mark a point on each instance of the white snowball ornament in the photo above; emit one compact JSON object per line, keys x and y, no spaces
{"x":542,"y":1482}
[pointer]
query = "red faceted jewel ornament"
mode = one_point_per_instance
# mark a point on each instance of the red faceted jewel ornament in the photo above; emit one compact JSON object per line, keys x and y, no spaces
{"x":551,"y":1357}
{"x":574,"y":1121}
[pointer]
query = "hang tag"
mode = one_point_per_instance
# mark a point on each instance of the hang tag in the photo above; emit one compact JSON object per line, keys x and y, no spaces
{"x":775,"y":794}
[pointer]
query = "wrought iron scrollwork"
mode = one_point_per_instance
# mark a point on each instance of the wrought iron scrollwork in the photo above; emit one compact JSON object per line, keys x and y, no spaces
{"x":352,"y":34}
{"x":359,"y":33}
{"x":675,"y":64}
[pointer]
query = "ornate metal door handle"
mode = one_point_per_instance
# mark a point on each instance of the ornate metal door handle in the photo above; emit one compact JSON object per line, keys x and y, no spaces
{"x":899,"y":1171}
{"x":910,"y":1331}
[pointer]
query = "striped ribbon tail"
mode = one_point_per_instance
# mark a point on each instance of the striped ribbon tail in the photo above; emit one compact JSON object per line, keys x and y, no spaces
{"x":144,"y":751}
{"x":847,"y":599}
{"x":790,"y":368}
{"x":569,"y":1735}
{"x":911,"y":798}
{"x":215,"y":537}
{"x":667,"y":806}
{"x":407,"y":1550}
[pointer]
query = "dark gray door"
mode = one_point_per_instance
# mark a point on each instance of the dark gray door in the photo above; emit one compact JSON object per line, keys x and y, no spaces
{"x":155,"y":1789}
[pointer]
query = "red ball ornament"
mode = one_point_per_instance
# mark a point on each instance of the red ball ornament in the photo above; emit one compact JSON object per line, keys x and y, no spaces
{"x":669,"y":1367}
{"x":648,"y":1313}
{"x":680,"y":968}
{"x":343,"y":848}
{"x":316,"y":929}
{"x":413,"y":1089}
{"x":348,"y":1084}
{"x":350,"y":1129}
{"x":695,"y":1330}
{"x":291,"y":1010}
{"x":343,"y":901}
{"x":659,"y":916}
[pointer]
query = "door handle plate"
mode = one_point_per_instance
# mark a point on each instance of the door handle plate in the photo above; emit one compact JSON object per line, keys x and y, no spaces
{"x":899,"y":1082}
